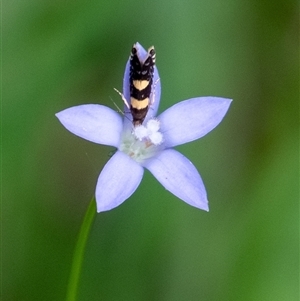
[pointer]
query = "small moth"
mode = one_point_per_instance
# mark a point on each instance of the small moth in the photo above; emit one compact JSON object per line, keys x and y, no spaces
{"x":141,"y":79}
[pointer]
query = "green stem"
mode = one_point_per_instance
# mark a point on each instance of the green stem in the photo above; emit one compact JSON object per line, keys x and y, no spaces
{"x":79,"y":251}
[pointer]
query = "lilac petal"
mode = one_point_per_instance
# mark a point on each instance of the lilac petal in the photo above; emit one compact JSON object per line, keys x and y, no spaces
{"x":155,"y":96}
{"x":118,"y":180}
{"x":156,"y":88}
{"x":192,"y":119}
{"x":178,"y":175}
{"x":93,"y":122}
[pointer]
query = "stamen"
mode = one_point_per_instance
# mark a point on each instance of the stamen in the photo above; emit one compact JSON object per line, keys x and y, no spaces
{"x":156,"y":138}
{"x":153,"y":125}
{"x":140,"y":132}
{"x":143,"y":141}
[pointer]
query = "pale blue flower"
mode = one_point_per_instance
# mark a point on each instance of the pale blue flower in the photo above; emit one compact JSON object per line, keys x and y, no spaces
{"x":149,"y":146}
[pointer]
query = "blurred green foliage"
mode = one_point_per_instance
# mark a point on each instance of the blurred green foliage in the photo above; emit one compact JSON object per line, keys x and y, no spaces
{"x":57,"y":54}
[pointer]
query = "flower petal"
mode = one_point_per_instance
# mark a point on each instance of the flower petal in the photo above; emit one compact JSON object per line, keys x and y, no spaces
{"x":192,"y":119}
{"x":118,"y":180}
{"x":178,"y":175}
{"x":93,"y":122}
{"x":156,"y":88}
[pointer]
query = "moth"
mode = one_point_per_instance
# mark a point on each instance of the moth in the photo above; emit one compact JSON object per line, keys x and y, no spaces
{"x":141,"y":80}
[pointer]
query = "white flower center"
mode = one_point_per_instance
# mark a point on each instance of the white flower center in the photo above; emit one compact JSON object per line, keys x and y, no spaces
{"x":142,"y":142}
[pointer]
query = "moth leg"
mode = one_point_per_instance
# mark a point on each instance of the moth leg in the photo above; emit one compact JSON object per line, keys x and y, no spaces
{"x":123,"y":98}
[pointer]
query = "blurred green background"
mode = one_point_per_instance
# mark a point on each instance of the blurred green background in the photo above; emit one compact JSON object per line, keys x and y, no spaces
{"x":58,"y":54}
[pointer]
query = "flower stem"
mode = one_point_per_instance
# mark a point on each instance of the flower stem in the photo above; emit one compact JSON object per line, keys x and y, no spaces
{"x":79,"y":251}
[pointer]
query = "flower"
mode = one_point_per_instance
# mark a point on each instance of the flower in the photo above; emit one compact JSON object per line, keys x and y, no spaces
{"x":149,"y":145}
